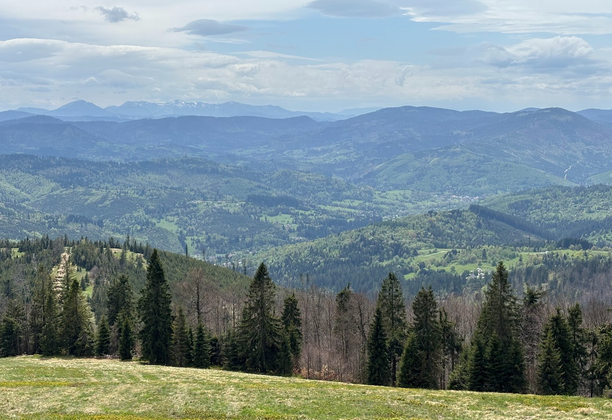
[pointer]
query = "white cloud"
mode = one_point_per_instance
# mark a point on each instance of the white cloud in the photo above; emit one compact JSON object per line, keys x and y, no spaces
{"x":559,"y":52}
{"x":58,"y":71}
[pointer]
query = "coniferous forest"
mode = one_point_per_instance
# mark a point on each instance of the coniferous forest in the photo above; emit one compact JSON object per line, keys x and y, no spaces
{"x":126,"y":300}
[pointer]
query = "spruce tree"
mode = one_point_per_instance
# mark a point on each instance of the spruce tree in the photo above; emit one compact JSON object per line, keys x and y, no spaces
{"x":425,"y":367}
{"x":393,"y":311}
{"x":408,"y":375}
{"x":292,"y":321}
{"x":76,"y":323}
{"x":232,"y":352}
{"x":49,"y":336}
{"x":120,"y":299}
{"x":11,"y":330}
{"x":103,"y":338}
{"x":156,"y":314}
{"x":43,"y":286}
{"x":260,"y":334}
{"x":126,"y":339}
{"x":181,"y":348}
{"x":285,"y":358}
{"x":560,"y":332}
{"x":201,"y":349}
{"x":477,"y":369}
{"x":497,"y":332}
{"x":550,"y":371}
{"x":378,"y":372}
{"x":459,"y":377}
{"x":578,"y":338}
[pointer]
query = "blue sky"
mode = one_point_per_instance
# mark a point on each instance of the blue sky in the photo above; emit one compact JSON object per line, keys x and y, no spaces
{"x":321,"y":55}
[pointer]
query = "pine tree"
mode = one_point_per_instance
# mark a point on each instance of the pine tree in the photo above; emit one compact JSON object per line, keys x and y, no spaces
{"x":393,"y":311}
{"x":459,"y":377}
{"x":550,"y":372}
{"x":292,"y":321}
{"x":76,"y":323}
{"x":120,"y":299}
{"x":578,"y":338}
{"x":285,"y":358}
{"x":408,"y":375}
{"x":11,"y":330}
{"x":103,"y":338}
{"x":427,"y":333}
{"x":497,"y":362}
{"x":126,"y":339}
{"x":156,"y":314}
{"x":43,"y":286}
{"x":232,"y":352}
{"x":602,"y":371}
{"x":560,"y":332}
{"x":49,"y":336}
{"x":181,"y":349}
{"x":201,"y":349}
{"x":378,"y":372}
{"x":477,"y":369}
{"x":260,"y":335}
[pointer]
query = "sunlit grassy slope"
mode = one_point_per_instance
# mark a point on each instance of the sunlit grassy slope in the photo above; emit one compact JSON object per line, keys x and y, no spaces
{"x":36,"y":388}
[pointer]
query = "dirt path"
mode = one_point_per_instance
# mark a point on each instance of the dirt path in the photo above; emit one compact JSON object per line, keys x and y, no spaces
{"x":58,"y":283}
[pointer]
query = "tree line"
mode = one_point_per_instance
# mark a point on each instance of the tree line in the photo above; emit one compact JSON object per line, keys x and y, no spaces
{"x":494,"y":342}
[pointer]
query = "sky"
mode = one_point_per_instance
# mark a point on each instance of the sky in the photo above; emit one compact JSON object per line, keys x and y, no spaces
{"x":321,"y":55}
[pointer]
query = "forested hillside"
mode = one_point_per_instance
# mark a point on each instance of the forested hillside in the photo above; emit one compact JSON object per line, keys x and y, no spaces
{"x":584,"y":212}
{"x":172,"y":203}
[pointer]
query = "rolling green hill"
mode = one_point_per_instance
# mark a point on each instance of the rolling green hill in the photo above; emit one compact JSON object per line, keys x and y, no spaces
{"x":542,"y":236}
{"x":173,"y":203}
{"x":583,"y":212}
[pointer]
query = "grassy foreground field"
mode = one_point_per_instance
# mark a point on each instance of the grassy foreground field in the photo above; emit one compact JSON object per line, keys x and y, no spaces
{"x":36,"y":388}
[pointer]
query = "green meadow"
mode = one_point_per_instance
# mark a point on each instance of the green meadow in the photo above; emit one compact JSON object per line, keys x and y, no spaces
{"x":62,"y":388}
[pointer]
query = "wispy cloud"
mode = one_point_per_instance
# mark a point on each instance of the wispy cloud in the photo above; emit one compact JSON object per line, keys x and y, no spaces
{"x":209,"y":27}
{"x":355,"y":8}
{"x":116,"y":14}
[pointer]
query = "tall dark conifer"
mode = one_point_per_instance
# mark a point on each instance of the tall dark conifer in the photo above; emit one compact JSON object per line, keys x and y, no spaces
{"x":425,"y":368}
{"x":181,"y":348}
{"x":103,"y":338}
{"x":120,"y":299}
{"x":378,"y":372}
{"x":201,"y":349}
{"x":43,"y":286}
{"x":156,"y":314}
{"x":126,"y":339}
{"x":261,"y":335}
{"x":292,"y":321}
{"x":558,"y":328}
{"x":497,"y":361}
{"x":393,"y":312}
{"x":76,"y":323}
{"x":49,"y":336}
{"x":550,"y":372}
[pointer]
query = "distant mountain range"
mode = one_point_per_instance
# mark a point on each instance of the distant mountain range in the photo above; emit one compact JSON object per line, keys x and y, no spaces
{"x":86,"y":111}
{"x":431,"y":150}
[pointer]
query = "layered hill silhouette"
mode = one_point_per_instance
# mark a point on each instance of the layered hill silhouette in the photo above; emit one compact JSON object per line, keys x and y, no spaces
{"x":433,"y":150}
